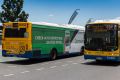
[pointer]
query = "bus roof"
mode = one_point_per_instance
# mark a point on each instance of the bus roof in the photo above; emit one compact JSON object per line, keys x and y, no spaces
{"x":113,"y":21}
{"x":62,"y":26}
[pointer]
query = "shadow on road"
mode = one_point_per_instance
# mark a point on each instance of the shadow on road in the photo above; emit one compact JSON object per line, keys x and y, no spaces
{"x":102,"y":63}
{"x":26,"y":61}
{"x":35,"y":61}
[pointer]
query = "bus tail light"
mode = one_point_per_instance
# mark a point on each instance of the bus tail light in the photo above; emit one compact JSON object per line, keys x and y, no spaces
{"x":2,"y":46}
{"x":15,"y":24}
{"x":27,"y":25}
{"x":26,"y":46}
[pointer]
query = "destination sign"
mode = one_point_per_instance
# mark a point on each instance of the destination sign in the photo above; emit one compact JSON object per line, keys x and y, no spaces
{"x":102,"y":27}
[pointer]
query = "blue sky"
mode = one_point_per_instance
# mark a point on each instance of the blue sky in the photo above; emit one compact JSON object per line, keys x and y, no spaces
{"x":59,"y":11}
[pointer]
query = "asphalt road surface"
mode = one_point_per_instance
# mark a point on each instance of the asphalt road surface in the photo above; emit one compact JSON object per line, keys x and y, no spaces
{"x":73,"y":68}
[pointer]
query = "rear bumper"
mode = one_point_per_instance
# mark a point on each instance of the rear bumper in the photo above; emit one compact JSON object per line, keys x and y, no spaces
{"x":105,"y":58}
{"x":27,"y":54}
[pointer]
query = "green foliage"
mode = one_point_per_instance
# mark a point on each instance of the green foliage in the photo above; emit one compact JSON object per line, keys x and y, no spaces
{"x":0,"y":16}
{"x":12,"y":11}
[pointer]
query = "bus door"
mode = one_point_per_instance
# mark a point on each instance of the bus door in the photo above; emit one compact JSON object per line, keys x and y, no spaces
{"x":119,"y":39}
{"x":67,"y":41}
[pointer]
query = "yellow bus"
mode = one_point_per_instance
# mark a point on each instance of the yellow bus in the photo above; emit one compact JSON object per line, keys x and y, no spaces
{"x":41,"y":40}
{"x":102,"y":41}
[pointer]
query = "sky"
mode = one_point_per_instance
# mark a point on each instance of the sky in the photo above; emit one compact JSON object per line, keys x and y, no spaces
{"x":60,"y":11}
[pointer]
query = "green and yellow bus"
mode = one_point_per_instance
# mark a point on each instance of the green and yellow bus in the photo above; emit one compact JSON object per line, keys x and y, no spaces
{"x":41,"y":40}
{"x":102,"y":40}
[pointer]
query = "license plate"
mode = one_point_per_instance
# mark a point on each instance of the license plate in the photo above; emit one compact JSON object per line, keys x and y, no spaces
{"x":99,"y":58}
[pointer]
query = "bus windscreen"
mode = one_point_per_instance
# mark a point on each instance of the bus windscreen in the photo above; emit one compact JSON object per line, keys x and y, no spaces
{"x":101,"y":37}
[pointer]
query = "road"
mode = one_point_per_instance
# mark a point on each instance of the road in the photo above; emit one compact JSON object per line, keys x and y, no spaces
{"x":73,"y":68}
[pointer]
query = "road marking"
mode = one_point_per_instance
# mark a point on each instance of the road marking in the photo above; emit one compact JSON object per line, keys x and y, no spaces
{"x":8,"y":75}
{"x":28,"y":65}
{"x":65,"y":65}
{"x":58,"y":62}
{"x":53,"y":67}
{"x":25,"y":72}
{"x":74,"y":63}
{"x":12,"y":66}
{"x":39,"y":69}
{"x":44,"y":63}
{"x":69,"y":61}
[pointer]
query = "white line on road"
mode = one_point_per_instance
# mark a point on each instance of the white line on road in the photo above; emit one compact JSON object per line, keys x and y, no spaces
{"x":53,"y":66}
{"x":44,"y":63}
{"x":24,"y":72}
{"x":8,"y":75}
{"x":57,"y":62}
{"x":69,"y":61}
{"x":12,"y":66}
{"x":28,"y":65}
{"x":74,"y":63}
{"x":65,"y":65}
{"x":39,"y":69}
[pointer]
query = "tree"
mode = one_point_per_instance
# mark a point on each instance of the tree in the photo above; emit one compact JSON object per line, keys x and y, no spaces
{"x":0,"y":16}
{"x":12,"y":11}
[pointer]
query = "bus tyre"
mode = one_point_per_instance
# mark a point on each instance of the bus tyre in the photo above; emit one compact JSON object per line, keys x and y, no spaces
{"x":53,"y":54}
{"x":98,"y":61}
{"x":4,"y":55}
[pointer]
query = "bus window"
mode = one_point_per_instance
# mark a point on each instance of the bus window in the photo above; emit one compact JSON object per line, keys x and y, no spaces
{"x":15,"y":32}
{"x":26,"y":34}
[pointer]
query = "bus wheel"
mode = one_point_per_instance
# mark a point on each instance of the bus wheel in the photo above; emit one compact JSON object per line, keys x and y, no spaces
{"x":98,"y":61}
{"x":53,"y":54}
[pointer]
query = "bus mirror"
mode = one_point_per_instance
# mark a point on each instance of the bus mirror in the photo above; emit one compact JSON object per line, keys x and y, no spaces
{"x":26,"y":35}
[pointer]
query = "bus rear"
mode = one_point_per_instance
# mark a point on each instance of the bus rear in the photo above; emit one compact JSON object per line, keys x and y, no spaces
{"x":16,"y":39}
{"x":101,"y":42}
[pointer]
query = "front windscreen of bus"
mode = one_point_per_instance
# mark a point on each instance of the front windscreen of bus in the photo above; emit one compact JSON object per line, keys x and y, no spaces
{"x":101,"y":37}
{"x":15,"y":32}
